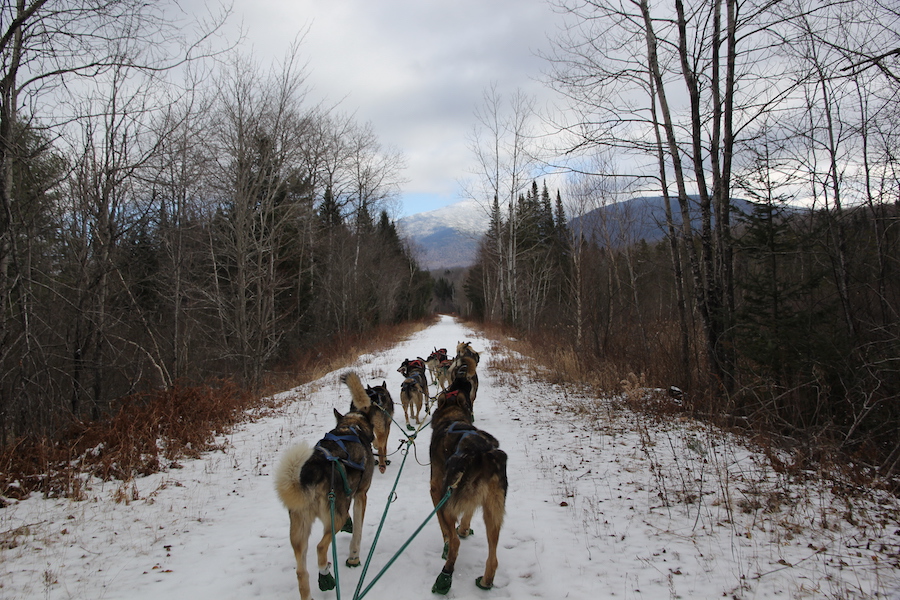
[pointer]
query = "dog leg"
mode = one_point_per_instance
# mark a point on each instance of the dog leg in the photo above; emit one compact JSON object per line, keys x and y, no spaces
{"x":382,"y":452}
{"x":445,"y":578}
{"x":418,"y":403}
{"x":326,"y":579}
{"x":300,"y":530}
{"x":493,"y":519}
{"x":359,"y":513}
{"x":445,"y":533}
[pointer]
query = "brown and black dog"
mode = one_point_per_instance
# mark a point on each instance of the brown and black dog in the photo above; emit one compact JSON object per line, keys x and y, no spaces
{"x":438,"y":364}
{"x":342,"y":463}
{"x":469,"y":461}
{"x":415,"y":370}
{"x":411,"y":397}
{"x":382,"y":415}
{"x":465,"y":367}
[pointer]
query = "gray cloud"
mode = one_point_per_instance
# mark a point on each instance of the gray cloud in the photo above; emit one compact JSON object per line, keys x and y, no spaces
{"x":415,"y":69}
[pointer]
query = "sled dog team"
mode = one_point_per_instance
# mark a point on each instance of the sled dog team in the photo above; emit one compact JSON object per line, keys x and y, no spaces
{"x":466,"y":461}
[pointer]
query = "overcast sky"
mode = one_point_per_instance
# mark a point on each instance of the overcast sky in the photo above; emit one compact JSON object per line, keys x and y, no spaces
{"x":414,"y":69}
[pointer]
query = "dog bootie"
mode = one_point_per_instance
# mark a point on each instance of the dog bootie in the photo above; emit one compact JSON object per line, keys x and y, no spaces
{"x":348,"y":526}
{"x":326,"y":582}
{"x":410,"y":427}
{"x":352,"y":562}
{"x":479,"y":583}
{"x":442,"y":584}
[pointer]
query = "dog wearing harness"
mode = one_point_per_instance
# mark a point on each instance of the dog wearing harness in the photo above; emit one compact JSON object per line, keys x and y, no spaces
{"x":382,"y":414}
{"x":469,"y":462}
{"x":465,"y":364}
{"x":414,"y":373}
{"x":411,"y":397}
{"x":438,"y":364}
{"x":314,"y":482}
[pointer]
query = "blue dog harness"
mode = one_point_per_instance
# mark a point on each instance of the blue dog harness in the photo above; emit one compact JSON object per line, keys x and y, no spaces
{"x":339,"y":440}
{"x":464,"y":433}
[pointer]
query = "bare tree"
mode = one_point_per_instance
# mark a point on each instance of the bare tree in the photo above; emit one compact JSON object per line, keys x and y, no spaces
{"x":503,"y":144}
{"x":55,"y":54}
{"x":258,"y":129}
{"x":706,"y":67}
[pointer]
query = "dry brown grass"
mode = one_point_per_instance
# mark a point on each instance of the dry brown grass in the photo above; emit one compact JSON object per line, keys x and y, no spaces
{"x":151,"y":431}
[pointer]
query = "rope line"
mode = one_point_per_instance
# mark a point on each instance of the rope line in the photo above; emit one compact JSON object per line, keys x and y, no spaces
{"x":407,"y":543}
{"x":334,"y":561}
{"x":387,"y":506}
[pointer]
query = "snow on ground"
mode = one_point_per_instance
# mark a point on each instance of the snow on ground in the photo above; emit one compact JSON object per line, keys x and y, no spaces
{"x":603,"y":503}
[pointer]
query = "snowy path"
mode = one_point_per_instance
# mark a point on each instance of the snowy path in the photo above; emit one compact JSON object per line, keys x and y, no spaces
{"x":586,"y":516}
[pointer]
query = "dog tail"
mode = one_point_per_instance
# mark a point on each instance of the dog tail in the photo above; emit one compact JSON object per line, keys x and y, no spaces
{"x":361,"y":400}
{"x":287,"y":475}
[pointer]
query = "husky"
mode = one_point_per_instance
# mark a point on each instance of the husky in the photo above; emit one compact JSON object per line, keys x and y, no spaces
{"x":468,"y":461}
{"x":411,"y":396}
{"x":382,"y":416}
{"x":439,"y":365}
{"x":465,"y":349}
{"x":415,"y":370}
{"x":464,"y":366}
{"x":434,"y":361}
{"x":340,"y":463}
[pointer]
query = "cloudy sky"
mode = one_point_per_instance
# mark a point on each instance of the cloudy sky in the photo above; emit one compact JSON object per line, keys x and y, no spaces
{"x":415,"y":69}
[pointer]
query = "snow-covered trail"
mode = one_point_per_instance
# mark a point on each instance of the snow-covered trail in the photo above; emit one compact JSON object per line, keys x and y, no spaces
{"x":585,"y":512}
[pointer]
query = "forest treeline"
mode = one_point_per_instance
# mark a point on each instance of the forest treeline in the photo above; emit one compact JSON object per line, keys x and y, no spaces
{"x":784,"y":316}
{"x":172,"y":213}
{"x":175,"y":215}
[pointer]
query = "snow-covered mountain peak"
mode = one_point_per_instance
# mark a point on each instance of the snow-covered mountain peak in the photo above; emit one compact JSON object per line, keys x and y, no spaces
{"x":466,"y":216}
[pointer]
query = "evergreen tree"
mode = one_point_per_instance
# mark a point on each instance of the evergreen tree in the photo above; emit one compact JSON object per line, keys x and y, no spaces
{"x":545,"y":216}
{"x":329,"y":211}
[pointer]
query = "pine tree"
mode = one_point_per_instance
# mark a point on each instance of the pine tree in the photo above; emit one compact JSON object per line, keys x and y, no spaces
{"x":329,"y":211}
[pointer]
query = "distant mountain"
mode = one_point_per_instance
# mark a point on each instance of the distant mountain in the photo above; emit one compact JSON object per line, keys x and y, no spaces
{"x":448,"y":237}
{"x":642,"y":218}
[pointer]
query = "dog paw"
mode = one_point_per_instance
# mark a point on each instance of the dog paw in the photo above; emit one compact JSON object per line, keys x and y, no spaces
{"x":480,"y":583}
{"x":464,"y":533}
{"x":352,"y":562}
{"x":382,"y":468}
{"x":442,"y":584}
{"x":326,"y":582}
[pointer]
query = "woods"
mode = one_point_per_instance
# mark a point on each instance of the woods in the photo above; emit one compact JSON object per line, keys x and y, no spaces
{"x":174,"y":213}
{"x":781,"y":314}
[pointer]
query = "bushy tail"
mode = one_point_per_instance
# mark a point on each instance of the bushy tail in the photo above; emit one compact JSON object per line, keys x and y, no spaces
{"x":361,"y":400}
{"x":287,"y":475}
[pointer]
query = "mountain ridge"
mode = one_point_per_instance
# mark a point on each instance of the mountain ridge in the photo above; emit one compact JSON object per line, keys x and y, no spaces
{"x":448,"y":237}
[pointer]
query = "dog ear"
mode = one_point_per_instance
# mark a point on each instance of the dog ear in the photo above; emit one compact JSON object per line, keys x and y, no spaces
{"x":338,"y":416}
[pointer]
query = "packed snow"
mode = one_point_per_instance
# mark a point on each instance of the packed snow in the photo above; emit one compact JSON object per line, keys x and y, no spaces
{"x":602,"y":503}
